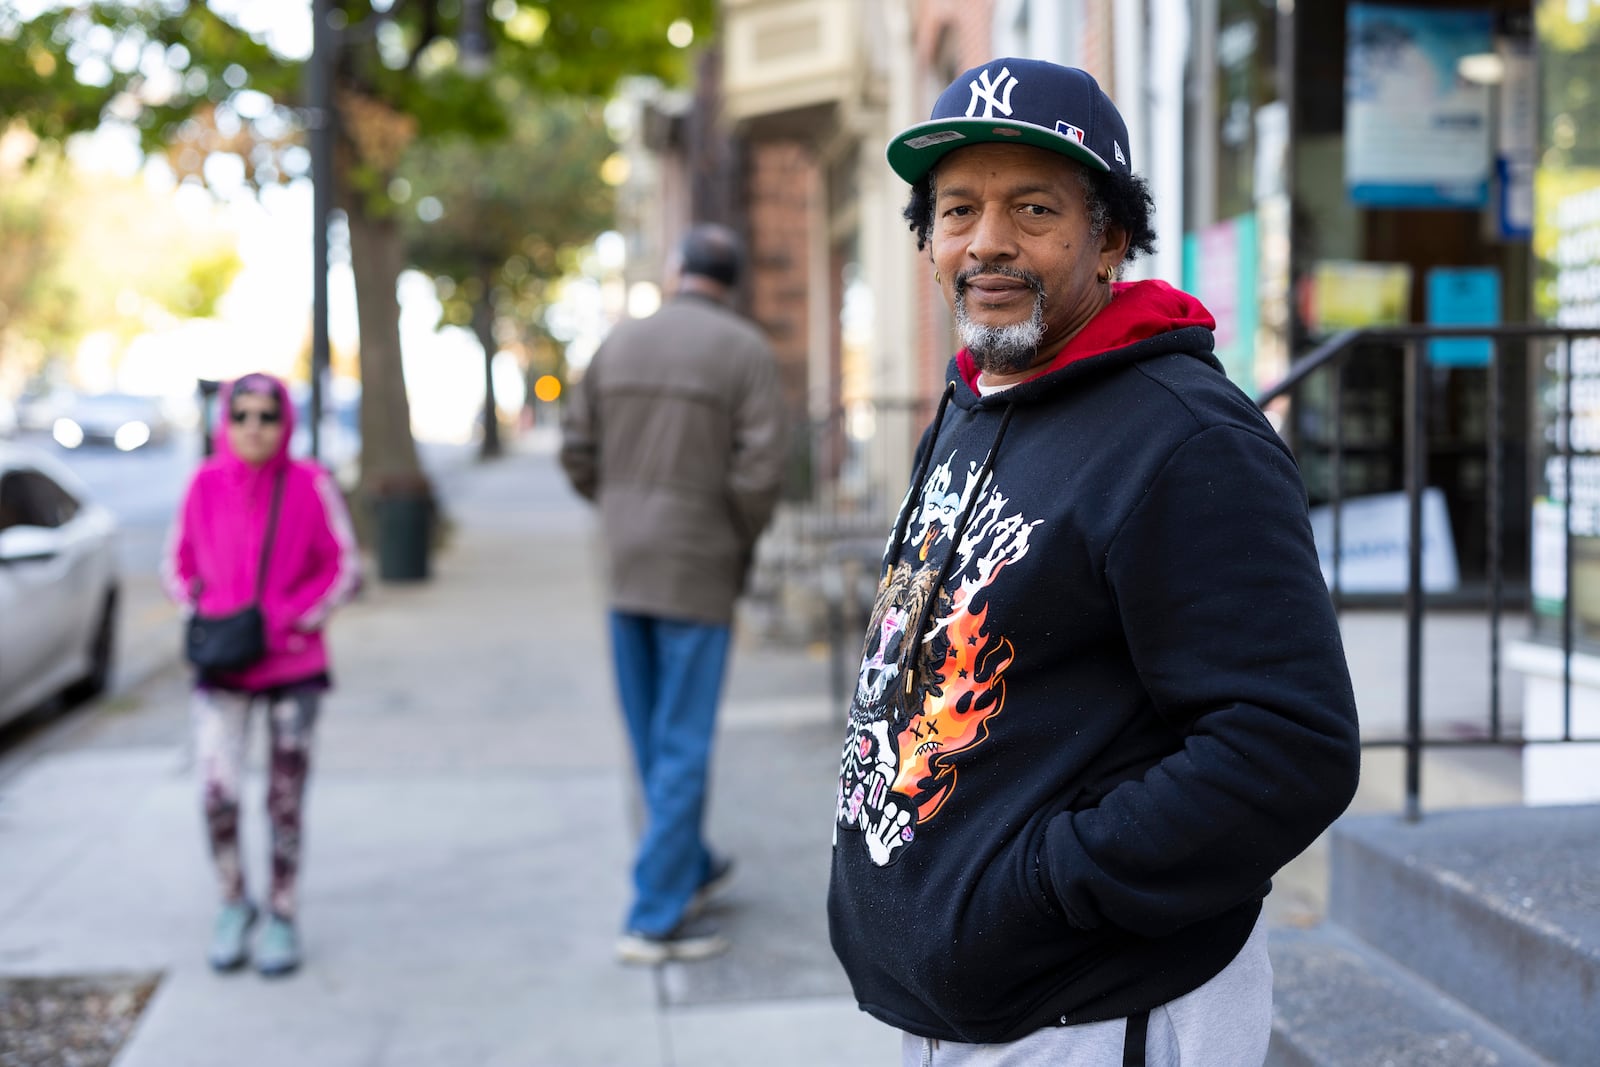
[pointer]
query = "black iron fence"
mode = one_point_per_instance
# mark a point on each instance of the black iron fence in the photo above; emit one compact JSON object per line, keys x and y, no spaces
{"x":1557,"y":372}
{"x":848,"y":473}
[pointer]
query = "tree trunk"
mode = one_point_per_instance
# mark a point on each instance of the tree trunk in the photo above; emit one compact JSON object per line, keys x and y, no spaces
{"x":389,"y":462}
{"x":483,"y":326}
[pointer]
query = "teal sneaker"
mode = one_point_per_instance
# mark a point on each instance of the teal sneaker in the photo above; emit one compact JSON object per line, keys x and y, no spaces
{"x":278,"y":948}
{"x":229,"y":935}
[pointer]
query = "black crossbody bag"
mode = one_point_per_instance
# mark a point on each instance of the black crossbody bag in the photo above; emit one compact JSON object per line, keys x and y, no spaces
{"x":221,"y":644}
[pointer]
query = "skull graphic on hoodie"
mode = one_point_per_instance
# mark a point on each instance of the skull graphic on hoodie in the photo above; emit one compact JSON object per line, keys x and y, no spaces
{"x":922,"y":700}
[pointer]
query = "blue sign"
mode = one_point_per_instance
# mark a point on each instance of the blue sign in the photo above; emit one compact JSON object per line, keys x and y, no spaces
{"x":1463,"y":296}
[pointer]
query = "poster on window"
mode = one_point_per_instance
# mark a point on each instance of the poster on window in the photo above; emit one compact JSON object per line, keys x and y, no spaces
{"x":1341,"y":294}
{"x":1417,"y":134}
{"x":1219,"y":267}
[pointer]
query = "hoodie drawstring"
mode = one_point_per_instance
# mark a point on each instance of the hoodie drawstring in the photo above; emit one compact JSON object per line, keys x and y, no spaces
{"x":915,"y":495}
{"x":955,"y":538}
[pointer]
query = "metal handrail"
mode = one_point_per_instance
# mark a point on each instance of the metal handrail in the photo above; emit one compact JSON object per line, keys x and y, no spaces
{"x":1339,"y":343}
{"x":1331,"y":355}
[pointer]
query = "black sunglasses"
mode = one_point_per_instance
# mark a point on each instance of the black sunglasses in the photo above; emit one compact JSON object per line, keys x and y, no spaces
{"x":266,"y":418}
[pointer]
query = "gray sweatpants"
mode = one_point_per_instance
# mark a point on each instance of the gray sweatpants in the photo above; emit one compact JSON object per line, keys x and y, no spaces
{"x":1225,"y":1023}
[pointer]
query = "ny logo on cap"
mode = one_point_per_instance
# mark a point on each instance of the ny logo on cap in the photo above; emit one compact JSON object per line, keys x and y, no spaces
{"x":983,"y":87}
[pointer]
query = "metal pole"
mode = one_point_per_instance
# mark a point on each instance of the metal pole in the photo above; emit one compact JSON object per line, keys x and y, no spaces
{"x":1496,"y":576}
{"x":1336,"y":482}
{"x":320,"y":120}
{"x":1568,"y":610}
{"x":474,"y":44}
{"x":1416,"y":480}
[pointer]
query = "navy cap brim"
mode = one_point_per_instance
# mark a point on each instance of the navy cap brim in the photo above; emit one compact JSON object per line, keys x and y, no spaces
{"x":916,"y":149}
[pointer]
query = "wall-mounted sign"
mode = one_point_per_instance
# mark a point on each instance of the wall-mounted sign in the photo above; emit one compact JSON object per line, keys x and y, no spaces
{"x":1516,"y":141}
{"x":1416,"y":132}
{"x":1463,"y":296}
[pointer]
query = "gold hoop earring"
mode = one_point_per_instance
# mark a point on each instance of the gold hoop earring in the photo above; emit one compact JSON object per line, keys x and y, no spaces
{"x":937,"y":280}
{"x":1103,"y":276}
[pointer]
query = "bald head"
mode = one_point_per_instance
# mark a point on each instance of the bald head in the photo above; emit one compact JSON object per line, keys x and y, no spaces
{"x":712,"y":252}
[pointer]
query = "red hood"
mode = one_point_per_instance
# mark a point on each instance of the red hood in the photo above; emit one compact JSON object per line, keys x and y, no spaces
{"x":1138,"y":310}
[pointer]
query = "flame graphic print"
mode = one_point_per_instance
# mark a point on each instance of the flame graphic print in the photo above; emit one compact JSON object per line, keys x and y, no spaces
{"x":966,"y":691}
{"x":899,"y":767}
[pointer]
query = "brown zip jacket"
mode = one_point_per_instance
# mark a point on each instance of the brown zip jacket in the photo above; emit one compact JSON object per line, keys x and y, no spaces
{"x":676,"y":432}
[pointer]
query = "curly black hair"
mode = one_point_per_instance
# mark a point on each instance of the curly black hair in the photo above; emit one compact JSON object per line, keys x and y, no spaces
{"x":1123,"y":199}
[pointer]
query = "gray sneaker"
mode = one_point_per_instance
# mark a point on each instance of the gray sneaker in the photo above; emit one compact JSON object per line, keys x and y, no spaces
{"x":229,"y":935}
{"x":278,"y":948}
{"x":683,"y":943}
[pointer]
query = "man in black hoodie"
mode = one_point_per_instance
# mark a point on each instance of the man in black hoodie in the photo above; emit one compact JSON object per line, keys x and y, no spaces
{"x":1103,"y":696}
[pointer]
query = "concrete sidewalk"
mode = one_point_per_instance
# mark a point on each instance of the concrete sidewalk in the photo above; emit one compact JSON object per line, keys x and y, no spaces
{"x":469,"y":834}
{"x":468,"y":840}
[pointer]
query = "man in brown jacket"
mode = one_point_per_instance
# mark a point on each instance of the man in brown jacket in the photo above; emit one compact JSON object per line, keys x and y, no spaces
{"x":676,"y":432}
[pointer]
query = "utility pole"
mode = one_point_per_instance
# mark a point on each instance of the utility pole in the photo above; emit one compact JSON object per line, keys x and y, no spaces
{"x":320,"y":114}
{"x":474,"y":40}
{"x":326,"y":42}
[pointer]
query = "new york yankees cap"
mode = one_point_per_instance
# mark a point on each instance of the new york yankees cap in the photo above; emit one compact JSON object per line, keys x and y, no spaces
{"x":1017,"y":101}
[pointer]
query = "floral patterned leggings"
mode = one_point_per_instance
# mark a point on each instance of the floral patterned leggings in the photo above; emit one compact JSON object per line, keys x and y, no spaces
{"x":221,"y":725}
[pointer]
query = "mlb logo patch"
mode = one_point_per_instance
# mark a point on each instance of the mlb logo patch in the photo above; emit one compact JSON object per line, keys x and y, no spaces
{"x":1070,"y":130}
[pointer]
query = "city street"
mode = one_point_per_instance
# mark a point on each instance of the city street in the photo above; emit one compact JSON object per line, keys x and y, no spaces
{"x":470,"y":824}
{"x":468,"y":837}
{"x":142,"y":489}
{"x":1135,"y":286}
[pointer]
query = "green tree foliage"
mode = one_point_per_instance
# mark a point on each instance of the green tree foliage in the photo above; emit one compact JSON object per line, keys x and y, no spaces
{"x":67,"y":271}
{"x":34,"y":312}
{"x":503,"y":221}
{"x":186,"y":258}
{"x":39,"y":83}
{"x":195,"y":82}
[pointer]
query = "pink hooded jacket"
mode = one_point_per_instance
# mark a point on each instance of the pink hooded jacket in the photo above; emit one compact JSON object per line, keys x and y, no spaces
{"x":214,"y":551}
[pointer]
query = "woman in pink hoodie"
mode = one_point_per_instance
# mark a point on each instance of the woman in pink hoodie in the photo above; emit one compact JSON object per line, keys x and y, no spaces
{"x":212,"y":566}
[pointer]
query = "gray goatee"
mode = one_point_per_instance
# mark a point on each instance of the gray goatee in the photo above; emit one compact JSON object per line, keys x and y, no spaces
{"x":1001,"y":349}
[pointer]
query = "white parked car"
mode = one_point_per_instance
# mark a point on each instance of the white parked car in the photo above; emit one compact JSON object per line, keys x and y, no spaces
{"x":58,"y":584}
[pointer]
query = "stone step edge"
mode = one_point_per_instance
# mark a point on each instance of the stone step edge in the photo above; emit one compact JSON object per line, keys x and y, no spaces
{"x":1339,"y":1002}
{"x":1496,"y":932}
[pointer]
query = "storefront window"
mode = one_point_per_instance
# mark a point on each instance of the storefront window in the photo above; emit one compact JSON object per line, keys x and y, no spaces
{"x":1244,"y":82}
{"x":1566,"y":243}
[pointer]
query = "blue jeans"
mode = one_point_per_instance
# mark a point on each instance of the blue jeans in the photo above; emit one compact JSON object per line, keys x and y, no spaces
{"x":669,"y":678}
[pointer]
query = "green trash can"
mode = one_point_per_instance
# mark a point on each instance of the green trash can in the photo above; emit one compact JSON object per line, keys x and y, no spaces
{"x":405,"y":535}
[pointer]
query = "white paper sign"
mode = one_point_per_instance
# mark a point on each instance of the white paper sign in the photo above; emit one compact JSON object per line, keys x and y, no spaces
{"x":1373,"y":544}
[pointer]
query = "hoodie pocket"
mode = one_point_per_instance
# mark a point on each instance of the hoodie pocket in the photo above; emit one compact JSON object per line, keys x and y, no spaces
{"x":1011,"y":904}
{"x":1013,"y":948}
{"x":1037,"y":870}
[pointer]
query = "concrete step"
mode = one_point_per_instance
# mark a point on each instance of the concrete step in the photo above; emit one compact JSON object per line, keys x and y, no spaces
{"x":1499,"y":908}
{"x":1339,"y":1003}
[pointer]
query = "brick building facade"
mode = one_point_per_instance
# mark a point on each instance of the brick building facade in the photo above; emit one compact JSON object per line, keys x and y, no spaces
{"x":949,"y":36}
{"x":782,"y":186}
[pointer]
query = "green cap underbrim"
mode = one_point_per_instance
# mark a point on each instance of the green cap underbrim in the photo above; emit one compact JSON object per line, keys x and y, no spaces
{"x":916,"y":149}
